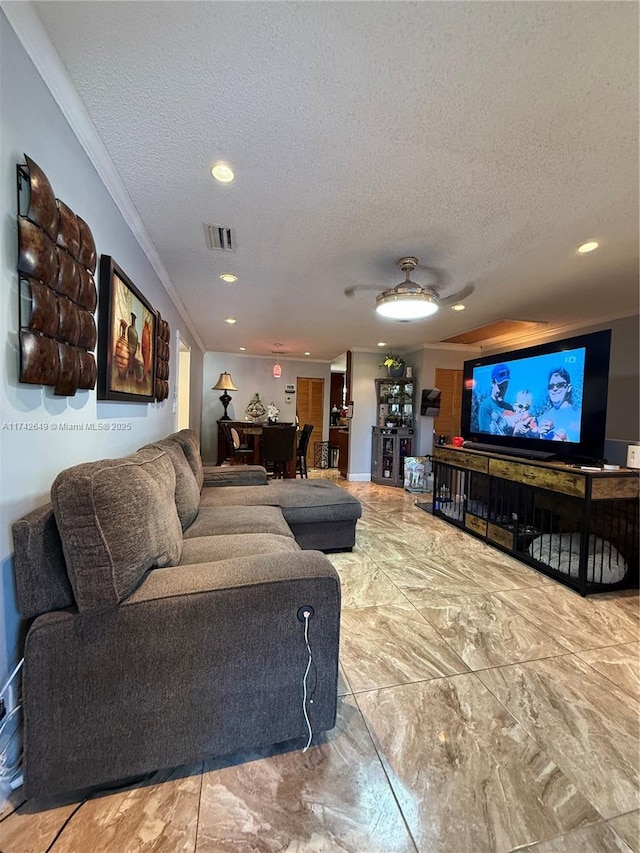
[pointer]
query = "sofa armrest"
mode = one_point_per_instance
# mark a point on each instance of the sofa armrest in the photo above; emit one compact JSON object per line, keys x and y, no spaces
{"x":200,"y":660}
{"x":235,"y":475}
{"x":232,"y":574}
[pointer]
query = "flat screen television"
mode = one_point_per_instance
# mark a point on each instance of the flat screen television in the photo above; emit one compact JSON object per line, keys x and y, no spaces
{"x":549,"y":399}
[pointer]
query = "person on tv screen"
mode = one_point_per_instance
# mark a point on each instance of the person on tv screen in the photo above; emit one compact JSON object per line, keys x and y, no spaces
{"x":491,"y":416}
{"x":522,"y":421}
{"x":560,"y":421}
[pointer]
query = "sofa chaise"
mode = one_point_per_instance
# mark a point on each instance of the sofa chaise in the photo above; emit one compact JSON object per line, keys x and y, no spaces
{"x":163,"y":603}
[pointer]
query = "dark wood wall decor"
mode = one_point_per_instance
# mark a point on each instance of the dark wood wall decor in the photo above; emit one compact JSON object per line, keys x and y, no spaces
{"x":58,"y":297}
{"x":127,"y":344}
{"x":163,"y":351}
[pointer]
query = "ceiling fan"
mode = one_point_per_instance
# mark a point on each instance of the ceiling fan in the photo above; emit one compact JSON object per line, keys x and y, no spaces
{"x":409,"y":300}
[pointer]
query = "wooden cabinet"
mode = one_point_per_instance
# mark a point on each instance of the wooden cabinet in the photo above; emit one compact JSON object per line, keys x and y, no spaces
{"x":343,"y":452}
{"x":389,"y":447}
{"x":580,"y":527}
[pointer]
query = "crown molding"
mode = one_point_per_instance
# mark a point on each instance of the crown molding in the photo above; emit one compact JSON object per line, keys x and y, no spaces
{"x":553,"y":333}
{"x":270,"y":357}
{"x":32,"y":35}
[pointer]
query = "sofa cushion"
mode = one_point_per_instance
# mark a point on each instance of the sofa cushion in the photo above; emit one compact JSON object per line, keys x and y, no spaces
{"x":300,"y":500}
{"x":207,"y":549}
{"x":190,"y":444}
{"x":235,"y":475}
{"x":224,"y":520}
{"x":187,"y":494}
{"x":117,"y":518}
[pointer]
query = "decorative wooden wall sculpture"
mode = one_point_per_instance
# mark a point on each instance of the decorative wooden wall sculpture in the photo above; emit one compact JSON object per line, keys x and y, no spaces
{"x":58,"y":297}
{"x":162,"y":359}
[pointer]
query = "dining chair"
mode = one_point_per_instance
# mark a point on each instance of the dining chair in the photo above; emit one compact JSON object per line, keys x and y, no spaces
{"x":301,"y":453}
{"x":237,"y":451}
{"x":278,"y":448}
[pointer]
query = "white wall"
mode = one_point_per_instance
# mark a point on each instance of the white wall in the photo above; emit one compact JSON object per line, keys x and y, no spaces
{"x":364,"y":372}
{"x":251,"y":374}
{"x":427,"y":360}
{"x":31,"y":122}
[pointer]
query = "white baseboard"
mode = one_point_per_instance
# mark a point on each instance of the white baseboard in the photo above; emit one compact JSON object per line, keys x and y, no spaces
{"x":359,"y":478}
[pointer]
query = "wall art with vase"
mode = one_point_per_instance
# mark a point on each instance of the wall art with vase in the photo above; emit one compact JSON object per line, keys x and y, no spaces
{"x":127,"y":340}
{"x":57,"y":291}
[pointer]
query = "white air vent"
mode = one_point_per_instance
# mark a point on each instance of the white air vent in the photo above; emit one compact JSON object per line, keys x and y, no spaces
{"x":220,"y":237}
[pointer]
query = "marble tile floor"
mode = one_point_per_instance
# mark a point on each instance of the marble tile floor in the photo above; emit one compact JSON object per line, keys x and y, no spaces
{"x":483,"y":707}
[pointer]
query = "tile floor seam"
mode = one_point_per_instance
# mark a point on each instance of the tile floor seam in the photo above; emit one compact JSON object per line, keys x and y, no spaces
{"x":458,"y":657}
{"x":401,"y":591}
{"x":386,"y":775}
{"x":444,"y":639}
{"x":532,"y":623}
{"x":195,"y":843}
{"x":417,"y":681}
{"x":555,"y":639}
{"x":520,"y":662}
{"x":602,"y":822}
{"x":610,"y":646}
{"x":555,"y":760}
{"x":604,"y":675}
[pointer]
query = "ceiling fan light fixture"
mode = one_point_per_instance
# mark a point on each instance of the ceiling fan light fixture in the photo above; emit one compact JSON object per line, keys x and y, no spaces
{"x":406,"y":304}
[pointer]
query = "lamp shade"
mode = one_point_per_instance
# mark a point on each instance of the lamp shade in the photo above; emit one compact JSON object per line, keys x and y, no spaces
{"x":225,"y":383}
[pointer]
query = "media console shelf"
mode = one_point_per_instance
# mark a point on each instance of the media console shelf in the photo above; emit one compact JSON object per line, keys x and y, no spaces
{"x":579,"y":527}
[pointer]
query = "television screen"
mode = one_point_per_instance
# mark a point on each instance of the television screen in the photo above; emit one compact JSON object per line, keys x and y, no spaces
{"x":547,"y":398}
{"x":539,"y":396}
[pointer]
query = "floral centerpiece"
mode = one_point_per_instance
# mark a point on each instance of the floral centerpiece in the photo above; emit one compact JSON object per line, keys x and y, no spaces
{"x":394,"y":364}
{"x":272,"y":413}
{"x":255,"y":410}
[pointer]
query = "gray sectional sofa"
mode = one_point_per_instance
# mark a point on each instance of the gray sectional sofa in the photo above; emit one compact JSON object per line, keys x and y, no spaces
{"x":163,"y":602}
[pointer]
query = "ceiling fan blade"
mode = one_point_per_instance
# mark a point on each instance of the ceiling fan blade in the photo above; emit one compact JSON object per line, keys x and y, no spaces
{"x":357,"y":288}
{"x":459,"y":296}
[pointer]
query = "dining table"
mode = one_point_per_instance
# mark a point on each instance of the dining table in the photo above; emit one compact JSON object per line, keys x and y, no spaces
{"x":251,"y":434}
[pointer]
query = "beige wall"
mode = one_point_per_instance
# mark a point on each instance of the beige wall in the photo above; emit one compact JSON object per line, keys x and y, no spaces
{"x":249,"y":375}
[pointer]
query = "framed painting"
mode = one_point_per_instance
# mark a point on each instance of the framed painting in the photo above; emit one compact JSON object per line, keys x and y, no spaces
{"x":126,"y":338}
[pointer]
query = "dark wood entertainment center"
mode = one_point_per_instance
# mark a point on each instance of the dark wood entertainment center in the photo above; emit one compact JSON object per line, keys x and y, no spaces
{"x":578,"y":526}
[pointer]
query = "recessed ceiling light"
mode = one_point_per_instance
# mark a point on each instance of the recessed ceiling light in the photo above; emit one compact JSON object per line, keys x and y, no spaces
{"x":230,"y":320}
{"x":223,"y":173}
{"x":458,"y":307}
{"x":307,"y":353}
{"x":229,"y":277}
{"x":589,"y":246}
{"x":243,"y":349}
{"x":382,"y":343}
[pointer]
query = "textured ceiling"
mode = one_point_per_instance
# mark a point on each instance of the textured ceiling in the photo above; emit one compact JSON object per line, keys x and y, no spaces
{"x":487,"y":139}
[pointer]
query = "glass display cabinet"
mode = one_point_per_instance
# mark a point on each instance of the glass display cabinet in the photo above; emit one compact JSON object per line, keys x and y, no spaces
{"x":389,"y":447}
{"x":394,"y":402}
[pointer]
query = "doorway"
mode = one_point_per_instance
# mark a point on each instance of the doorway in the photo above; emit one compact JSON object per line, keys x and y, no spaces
{"x":450,"y":384}
{"x":310,"y":410}
{"x":183,"y":384}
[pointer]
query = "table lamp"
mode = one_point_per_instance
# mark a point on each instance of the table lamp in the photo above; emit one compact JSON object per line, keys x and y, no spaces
{"x":225,"y":383}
